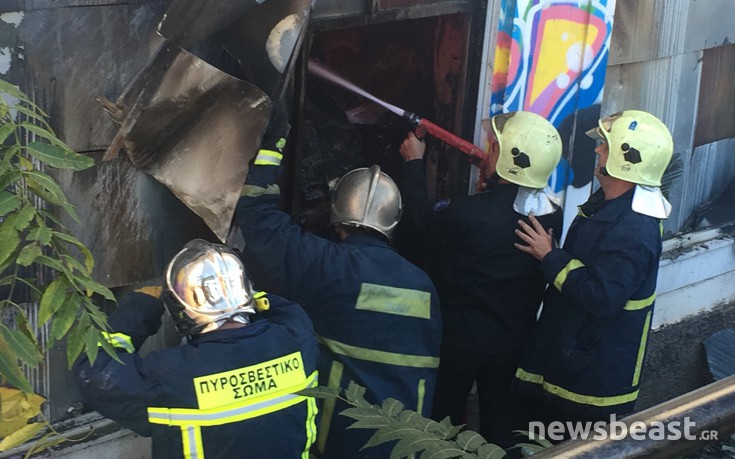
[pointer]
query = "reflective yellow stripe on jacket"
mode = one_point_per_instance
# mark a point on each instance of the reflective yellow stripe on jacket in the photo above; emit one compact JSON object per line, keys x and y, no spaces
{"x":572,"y":396}
{"x":191,"y":420}
{"x":119,"y":341}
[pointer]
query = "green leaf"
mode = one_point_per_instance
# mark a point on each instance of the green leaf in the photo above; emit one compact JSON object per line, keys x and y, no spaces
{"x":10,"y":370}
{"x":75,"y":339}
{"x":46,"y":134}
{"x":443,"y":450}
{"x":391,"y":407}
{"x":72,"y":263}
{"x":53,"y":264}
{"x":320,"y":392}
{"x":9,"y":178}
{"x":23,"y":218}
{"x":49,"y":440}
{"x":490,"y":451}
{"x":34,"y":115}
{"x":96,"y":287}
{"x":14,"y":91}
{"x":384,"y":434}
{"x":28,"y":254}
{"x":8,"y":202}
{"x":58,"y":157}
{"x":446,"y":428}
{"x":88,"y":258}
{"x":52,"y":299}
{"x":21,"y":321}
{"x":65,"y":316}
{"x":356,"y":394}
{"x":5,"y":131}
{"x":90,"y":344}
{"x":44,"y":183}
{"x":21,"y":436}
{"x":23,"y":348}
{"x":9,"y":240}
{"x":469,"y":440}
{"x":367,"y":418}
{"x":42,"y":234}
{"x":413,"y":443}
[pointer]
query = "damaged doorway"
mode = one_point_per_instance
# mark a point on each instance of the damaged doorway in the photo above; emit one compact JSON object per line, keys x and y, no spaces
{"x":423,"y":65}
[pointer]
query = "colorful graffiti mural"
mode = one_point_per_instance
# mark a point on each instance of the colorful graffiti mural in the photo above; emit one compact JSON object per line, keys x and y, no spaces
{"x":551,"y":59}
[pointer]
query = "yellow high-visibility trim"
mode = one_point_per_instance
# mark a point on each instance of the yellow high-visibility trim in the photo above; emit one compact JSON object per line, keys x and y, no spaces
{"x":335,"y":378}
{"x":253,"y":191}
{"x":393,"y":300}
{"x":120,"y":341}
{"x":268,"y":158}
{"x":311,"y":431}
{"x":562,"y":276}
{"x":635,"y":305}
{"x":373,"y":355}
{"x":191,"y":437}
{"x":641,"y":350}
{"x":574,"y":397}
{"x":262,"y":380}
{"x":231,"y":413}
{"x":421,"y":395}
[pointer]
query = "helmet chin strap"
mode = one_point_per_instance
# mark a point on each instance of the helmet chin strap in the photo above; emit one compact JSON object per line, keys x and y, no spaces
{"x":603,"y":171}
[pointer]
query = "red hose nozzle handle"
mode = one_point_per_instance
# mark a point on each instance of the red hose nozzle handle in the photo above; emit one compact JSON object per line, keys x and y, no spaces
{"x":470,"y":149}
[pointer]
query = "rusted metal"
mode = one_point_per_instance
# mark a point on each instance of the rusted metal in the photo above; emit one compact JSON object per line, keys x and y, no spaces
{"x":710,"y":408}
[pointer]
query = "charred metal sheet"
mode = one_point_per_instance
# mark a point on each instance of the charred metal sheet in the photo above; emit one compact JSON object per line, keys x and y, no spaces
{"x":195,"y":132}
{"x":720,"y":349}
{"x":193,"y":126}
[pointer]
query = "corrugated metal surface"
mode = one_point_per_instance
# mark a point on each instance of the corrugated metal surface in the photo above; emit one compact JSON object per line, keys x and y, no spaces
{"x":655,"y":65}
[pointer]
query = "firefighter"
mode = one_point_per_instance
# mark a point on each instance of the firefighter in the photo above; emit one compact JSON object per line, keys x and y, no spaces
{"x":376,"y":315}
{"x":489,"y":291}
{"x":585,"y":362}
{"x":229,"y":391}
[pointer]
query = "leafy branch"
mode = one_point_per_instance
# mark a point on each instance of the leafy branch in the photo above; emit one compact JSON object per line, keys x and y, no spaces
{"x":415,"y":434}
{"x":34,"y":239}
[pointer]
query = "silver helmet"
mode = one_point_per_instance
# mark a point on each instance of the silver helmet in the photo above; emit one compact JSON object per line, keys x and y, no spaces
{"x":369,"y":198}
{"x":205,"y":286}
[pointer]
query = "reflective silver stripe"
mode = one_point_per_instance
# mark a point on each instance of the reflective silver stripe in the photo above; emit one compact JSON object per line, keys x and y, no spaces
{"x":120,"y":341}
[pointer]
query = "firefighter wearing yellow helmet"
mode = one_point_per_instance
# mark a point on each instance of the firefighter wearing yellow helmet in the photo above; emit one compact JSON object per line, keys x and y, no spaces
{"x":489,"y":291}
{"x":584,"y":362}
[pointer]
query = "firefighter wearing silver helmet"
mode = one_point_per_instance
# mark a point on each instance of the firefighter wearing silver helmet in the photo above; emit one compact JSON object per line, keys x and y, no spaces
{"x":489,"y":291}
{"x":585,"y":359}
{"x":367,"y":197}
{"x":234,"y":362}
{"x":377,"y":315}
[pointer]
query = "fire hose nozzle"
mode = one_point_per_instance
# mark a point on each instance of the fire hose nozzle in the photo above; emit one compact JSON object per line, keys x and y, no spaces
{"x":412,"y":118}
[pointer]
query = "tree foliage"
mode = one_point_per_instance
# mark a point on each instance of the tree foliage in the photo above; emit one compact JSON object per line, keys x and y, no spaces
{"x":413,"y":434}
{"x":32,"y":239}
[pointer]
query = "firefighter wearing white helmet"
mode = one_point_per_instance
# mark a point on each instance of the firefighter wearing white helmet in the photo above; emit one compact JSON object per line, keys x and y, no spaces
{"x":489,"y":291}
{"x":584,"y":362}
{"x":238,"y":350}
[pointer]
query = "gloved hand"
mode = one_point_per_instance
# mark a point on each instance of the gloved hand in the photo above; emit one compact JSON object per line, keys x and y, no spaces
{"x":274,"y":139}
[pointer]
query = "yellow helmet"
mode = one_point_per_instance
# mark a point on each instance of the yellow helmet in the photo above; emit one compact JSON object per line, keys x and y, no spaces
{"x":530,"y":147}
{"x":640,"y":146}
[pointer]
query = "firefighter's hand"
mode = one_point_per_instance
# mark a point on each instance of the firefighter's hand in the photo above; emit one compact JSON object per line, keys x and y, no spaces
{"x":274,"y":139}
{"x":540,"y":241}
{"x":412,"y":148}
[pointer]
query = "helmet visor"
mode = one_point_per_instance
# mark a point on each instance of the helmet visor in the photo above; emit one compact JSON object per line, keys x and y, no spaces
{"x":604,"y":126}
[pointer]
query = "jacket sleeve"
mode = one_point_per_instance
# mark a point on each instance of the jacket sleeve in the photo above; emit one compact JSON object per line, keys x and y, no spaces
{"x":278,"y":254}
{"x":603,"y":284}
{"x":123,"y":391}
{"x":292,"y":316}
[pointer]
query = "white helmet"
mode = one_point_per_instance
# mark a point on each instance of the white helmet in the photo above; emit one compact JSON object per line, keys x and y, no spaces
{"x":205,"y":286}
{"x":367,"y":197}
{"x":530,"y":147}
{"x":640,"y":146}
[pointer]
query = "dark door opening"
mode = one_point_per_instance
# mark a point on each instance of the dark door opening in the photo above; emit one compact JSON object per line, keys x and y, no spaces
{"x":420,"y":65}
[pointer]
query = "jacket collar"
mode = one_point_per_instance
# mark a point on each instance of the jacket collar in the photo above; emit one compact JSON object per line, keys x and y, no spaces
{"x":598,"y":208}
{"x":362,"y":239}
